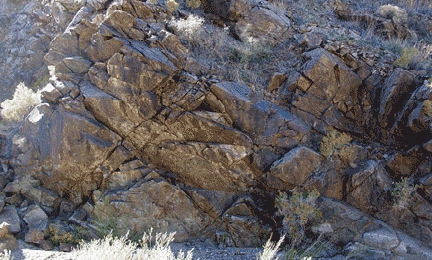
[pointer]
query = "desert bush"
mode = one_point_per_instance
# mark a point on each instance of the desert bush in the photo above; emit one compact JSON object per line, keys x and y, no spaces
{"x":189,"y":29}
{"x":405,"y":58}
{"x":106,"y":218}
{"x":251,"y":50}
{"x":121,"y":248}
{"x":5,"y":255}
{"x":412,"y":58}
{"x":333,"y":142}
{"x":23,"y":101}
{"x":270,"y":249}
{"x":297,"y":211}
{"x":57,"y":235}
{"x":194,"y":4}
{"x":397,"y":14}
{"x":281,"y":4}
{"x":394,"y":45}
{"x":427,"y":107}
{"x":172,"y":5}
{"x":401,"y":193}
{"x":161,"y":249}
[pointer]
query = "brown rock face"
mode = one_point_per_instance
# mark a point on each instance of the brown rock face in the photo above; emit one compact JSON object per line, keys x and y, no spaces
{"x":142,"y":206}
{"x":295,"y":168}
{"x":367,"y":187}
{"x":137,"y":128}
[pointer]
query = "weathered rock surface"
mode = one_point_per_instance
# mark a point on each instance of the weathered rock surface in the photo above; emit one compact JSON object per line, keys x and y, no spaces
{"x":134,"y":127}
{"x":295,"y":168}
{"x":9,"y":215}
{"x":29,"y":26}
{"x":7,"y":240}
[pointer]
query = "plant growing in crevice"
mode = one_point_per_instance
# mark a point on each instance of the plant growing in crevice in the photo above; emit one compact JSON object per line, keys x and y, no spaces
{"x":298,"y":211}
{"x":401,"y":193}
{"x":427,"y":107}
{"x":333,"y":142}
{"x":106,"y":218}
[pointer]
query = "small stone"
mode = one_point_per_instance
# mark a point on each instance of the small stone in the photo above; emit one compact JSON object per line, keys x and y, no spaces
{"x":65,"y":247}
{"x":34,"y":236}
{"x":10,"y":244}
{"x":382,"y":238}
{"x":78,"y":216}
{"x":46,"y":245}
{"x":50,"y":93}
{"x":36,"y":218}
{"x":276,"y":81}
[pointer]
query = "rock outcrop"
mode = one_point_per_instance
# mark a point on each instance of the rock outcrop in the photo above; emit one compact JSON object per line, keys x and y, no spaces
{"x":134,"y":126}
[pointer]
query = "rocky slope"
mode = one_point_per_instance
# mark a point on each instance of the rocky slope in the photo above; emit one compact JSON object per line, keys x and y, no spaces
{"x":137,"y":130}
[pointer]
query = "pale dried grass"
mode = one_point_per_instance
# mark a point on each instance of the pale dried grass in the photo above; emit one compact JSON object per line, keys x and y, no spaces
{"x":23,"y":101}
{"x":121,"y":248}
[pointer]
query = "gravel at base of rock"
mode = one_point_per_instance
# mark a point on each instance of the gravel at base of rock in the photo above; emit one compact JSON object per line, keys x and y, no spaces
{"x":202,"y":251}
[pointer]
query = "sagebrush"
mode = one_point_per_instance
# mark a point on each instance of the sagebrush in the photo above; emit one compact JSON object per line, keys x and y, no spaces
{"x":297,"y":210}
{"x":402,"y":193}
{"x":333,"y":142}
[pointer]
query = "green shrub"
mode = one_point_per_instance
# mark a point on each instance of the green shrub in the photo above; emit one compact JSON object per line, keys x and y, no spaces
{"x":24,"y":99}
{"x":297,"y":211}
{"x":401,"y":193}
{"x":406,"y":57}
{"x":106,"y":218}
{"x":57,"y":235}
{"x":333,"y":142}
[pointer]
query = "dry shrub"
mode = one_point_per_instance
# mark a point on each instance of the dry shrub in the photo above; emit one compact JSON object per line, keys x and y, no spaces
{"x":397,"y":14}
{"x":412,"y":58}
{"x":23,"y":101}
{"x":270,"y":249}
{"x":402,"y":193}
{"x":333,"y":142}
{"x":189,"y":29}
{"x":297,"y":211}
{"x":427,"y":107}
{"x":194,"y":4}
{"x":121,"y":248}
{"x":5,"y":255}
{"x":172,"y":5}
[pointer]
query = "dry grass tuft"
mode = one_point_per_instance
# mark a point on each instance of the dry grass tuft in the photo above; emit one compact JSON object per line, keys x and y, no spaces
{"x":6,"y":255}
{"x":121,"y":248}
{"x":23,"y":101}
{"x":402,"y":193}
{"x":270,"y":249}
